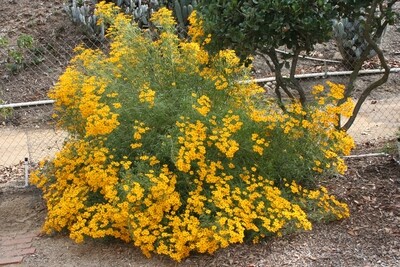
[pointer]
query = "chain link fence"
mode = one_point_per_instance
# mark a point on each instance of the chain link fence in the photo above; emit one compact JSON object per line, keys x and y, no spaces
{"x":30,"y":66}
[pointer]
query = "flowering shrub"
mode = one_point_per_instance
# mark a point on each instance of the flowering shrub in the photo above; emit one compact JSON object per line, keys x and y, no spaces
{"x":167,"y":149}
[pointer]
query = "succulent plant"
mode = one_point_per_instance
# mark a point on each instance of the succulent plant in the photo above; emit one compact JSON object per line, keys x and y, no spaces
{"x":183,"y":9}
{"x":350,"y":40}
{"x":82,"y":12}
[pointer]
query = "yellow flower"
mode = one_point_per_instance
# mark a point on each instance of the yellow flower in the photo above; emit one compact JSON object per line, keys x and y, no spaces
{"x":195,"y":30}
{"x":106,"y":12}
{"x":317,"y":89}
{"x":204,"y":105}
{"x":163,"y":17}
{"x":336,"y":90}
{"x":147,"y":95}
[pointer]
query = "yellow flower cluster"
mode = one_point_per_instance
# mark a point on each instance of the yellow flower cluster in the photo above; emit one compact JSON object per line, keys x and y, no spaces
{"x":196,"y":31}
{"x":139,"y":129}
{"x":336,"y":91}
{"x":80,"y":168}
{"x":169,"y":152}
{"x":82,"y":95}
{"x":192,"y":144}
{"x":66,"y":90}
{"x":328,"y":203}
{"x":147,"y":95}
{"x":163,"y":18}
{"x":315,"y":122}
{"x":204,"y":104}
{"x":259,"y":143}
{"x":106,"y":12}
{"x":221,"y":82}
{"x":222,"y":134}
{"x":229,"y":57}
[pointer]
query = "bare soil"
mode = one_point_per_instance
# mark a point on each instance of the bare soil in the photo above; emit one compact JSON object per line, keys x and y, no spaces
{"x":371,"y":186}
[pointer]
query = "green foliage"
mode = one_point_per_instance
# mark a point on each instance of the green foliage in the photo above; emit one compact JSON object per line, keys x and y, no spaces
{"x":3,"y":42}
{"x":252,"y":27}
{"x":25,"y":41}
{"x":356,"y":8}
{"x":25,"y":53}
{"x":248,"y":25}
{"x":5,"y":112}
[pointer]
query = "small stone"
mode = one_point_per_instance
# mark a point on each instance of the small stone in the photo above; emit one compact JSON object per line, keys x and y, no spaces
{"x":331,"y":68}
{"x":337,"y":56}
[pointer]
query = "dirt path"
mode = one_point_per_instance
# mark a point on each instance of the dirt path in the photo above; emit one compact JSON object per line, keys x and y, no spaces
{"x":377,"y":120}
{"x":22,"y":212}
{"x":35,"y":144}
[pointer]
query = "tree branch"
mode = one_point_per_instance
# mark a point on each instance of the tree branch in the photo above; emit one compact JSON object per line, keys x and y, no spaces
{"x":280,"y":81}
{"x":371,"y":43}
{"x":296,"y":85}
